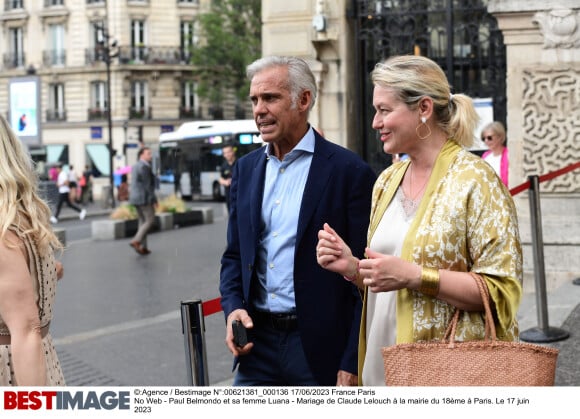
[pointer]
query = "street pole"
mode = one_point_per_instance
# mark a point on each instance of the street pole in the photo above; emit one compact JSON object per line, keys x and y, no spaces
{"x":110,"y":122}
{"x":107,"y":56}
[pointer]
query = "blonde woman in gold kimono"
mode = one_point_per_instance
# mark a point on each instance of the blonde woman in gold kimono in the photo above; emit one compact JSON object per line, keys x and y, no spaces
{"x":435,"y":217}
{"x":28,"y":272}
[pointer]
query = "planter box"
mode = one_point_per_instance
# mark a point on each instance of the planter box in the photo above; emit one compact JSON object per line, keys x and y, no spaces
{"x":188,"y":218}
{"x":108,"y":229}
{"x":131,"y":227}
{"x":119,"y":229}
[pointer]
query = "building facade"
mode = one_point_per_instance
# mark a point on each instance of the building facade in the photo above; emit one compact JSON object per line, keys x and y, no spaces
{"x":74,"y":50}
{"x":525,"y":54}
{"x":540,"y":53}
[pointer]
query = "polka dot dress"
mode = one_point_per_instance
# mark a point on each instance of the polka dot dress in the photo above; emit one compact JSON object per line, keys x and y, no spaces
{"x":43,"y":272}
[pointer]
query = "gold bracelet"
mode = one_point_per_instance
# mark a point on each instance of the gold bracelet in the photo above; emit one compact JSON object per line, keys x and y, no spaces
{"x":429,"y":281}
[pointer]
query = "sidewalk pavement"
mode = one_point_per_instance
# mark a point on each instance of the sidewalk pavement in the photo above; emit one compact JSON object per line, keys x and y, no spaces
{"x":93,"y":209}
{"x":563,"y":317}
{"x":563,"y":307}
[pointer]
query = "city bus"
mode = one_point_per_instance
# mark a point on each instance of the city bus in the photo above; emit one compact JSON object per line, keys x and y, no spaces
{"x":191,"y":156}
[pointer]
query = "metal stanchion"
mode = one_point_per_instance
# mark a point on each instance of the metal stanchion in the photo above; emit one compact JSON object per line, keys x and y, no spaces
{"x":193,"y":328}
{"x":542,"y":333}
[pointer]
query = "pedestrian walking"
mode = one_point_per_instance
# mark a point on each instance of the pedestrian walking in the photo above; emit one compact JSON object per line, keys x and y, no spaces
{"x":63,"y":181}
{"x":142,"y":196}
{"x":73,"y":184}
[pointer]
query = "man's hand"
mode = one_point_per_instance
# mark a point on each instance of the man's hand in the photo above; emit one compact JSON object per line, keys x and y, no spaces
{"x":344,"y":378}
{"x":242,"y":316}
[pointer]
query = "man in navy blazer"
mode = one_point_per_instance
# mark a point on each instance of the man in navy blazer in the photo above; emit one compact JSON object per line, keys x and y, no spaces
{"x":302,"y":321}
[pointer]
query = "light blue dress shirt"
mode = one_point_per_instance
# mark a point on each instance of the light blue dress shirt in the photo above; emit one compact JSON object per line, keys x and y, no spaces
{"x":283,"y":191}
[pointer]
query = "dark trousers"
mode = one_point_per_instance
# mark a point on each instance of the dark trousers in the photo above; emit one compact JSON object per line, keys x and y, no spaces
{"x":277,"y":359}
{"x":64,"y":198}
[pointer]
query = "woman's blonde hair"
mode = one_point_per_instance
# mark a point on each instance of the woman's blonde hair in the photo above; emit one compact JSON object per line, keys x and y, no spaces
{"x":413,"y":77}
{"x":20,"y":204}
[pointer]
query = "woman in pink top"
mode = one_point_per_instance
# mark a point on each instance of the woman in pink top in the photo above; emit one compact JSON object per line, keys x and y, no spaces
{"x":493,"y":135}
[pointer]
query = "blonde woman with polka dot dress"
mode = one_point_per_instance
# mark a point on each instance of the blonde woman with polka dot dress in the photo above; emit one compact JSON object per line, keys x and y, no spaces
{"x":28,"y":272}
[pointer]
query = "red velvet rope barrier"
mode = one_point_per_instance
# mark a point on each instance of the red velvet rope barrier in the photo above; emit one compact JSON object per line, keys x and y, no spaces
{"x":548,"y":176}
{"x":213,"y":306}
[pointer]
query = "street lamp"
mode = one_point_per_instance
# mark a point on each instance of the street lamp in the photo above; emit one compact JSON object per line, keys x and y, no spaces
{"x":106,"y":55}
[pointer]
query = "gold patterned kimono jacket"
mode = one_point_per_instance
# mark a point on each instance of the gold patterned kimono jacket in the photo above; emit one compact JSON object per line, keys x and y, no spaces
{"x":466,"y":221}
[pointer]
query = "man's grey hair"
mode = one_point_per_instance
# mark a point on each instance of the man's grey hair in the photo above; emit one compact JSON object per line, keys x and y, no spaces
{"x":300,"y":77}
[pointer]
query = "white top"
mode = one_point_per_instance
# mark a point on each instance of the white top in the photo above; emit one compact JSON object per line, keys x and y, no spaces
{"x":494,"y":161}
{"x":62,"y":182}
{"x":381,"y":327}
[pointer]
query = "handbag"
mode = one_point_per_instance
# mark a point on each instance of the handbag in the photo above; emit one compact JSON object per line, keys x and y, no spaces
{"x":488,"y":362}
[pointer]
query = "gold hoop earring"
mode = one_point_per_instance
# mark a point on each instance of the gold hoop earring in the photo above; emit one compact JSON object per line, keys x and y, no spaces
{"x":423,"y":122}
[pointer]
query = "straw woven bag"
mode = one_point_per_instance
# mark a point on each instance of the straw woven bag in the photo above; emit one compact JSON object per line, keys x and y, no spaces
{"x":488,"y":362}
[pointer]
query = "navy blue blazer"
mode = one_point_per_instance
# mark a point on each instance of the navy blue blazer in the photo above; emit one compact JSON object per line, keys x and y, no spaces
{"x":338,"y":191}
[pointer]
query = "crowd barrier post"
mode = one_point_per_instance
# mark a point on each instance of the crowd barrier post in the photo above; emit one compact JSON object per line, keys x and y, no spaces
{"x":193,"y":328}
{"x":542,"y":333}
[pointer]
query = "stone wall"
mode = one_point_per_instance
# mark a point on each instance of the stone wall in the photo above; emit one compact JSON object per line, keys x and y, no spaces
{"x":543,"y":54}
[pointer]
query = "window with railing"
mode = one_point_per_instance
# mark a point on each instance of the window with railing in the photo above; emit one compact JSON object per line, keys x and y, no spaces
{"x":14,"y":58}
{"x":139,"y":100}
{"x":13,"y":4}
{"x":56,"y":55}
{"x":189,"y":39}
{"x":138,"y":41}
{"x":56,"y":110}
{"x":49,"y":3}
{"x":187,"y":1}
{"x":99,"y":105}
{"x":189,"y":100}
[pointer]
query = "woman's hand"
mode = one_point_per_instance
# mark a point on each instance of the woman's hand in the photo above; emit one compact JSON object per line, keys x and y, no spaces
{"x":333,"y":254}
{"x":382,"y":273}
{"x":59,"y":270}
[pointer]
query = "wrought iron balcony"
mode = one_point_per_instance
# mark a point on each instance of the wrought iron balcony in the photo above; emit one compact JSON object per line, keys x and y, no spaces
{"x":95,"y":114}
{"x":152,"y":55}
{"x":55,"y":115}
{"x":140,"y":113}
{"x":14,"y":60}
{"x":189,"y":113}
{"x":141,"y":55}
{"x":54,"y":57}
{"x":13,"y":4}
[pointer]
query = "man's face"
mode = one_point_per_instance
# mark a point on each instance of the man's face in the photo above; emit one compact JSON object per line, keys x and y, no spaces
{"x":228,"y":153}
{"x":275,"y":114}
{"x":147,"y":155}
